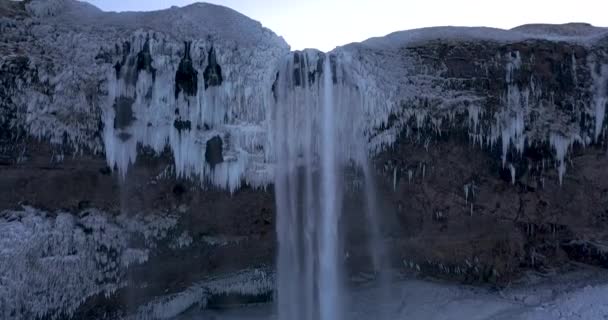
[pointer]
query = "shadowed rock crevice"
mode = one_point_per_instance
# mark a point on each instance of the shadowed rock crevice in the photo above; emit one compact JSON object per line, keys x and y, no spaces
{"x":213,"y":152}
{"x":181,"y":125}
{"x":124,"y":51}
{"x":213,"y":71}
{"x":128,"y":67}
{"x":144,"y":60}
{"x":299,"y":67}
{"x":124,"y":112}
{"x":186,"y":77}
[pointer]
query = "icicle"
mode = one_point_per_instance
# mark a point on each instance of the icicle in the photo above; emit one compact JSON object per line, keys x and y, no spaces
{"x":542,"y":182}
{"x":600,"y":98}
{"x":561,"y":145}
{"x":395,"y":179}
{"x":511,"y":123}
{"x":512,"y":170}
{"x":147,"y":107}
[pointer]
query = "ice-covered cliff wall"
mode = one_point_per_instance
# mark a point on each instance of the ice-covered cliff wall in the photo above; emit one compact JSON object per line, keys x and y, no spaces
{"x":523,"y":88}
{"x":195,"y":80}
{"x":199,"y":80}
{"x":205,"y":101}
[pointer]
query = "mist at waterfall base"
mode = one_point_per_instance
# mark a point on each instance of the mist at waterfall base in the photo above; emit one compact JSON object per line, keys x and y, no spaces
{"x":316,"y":141}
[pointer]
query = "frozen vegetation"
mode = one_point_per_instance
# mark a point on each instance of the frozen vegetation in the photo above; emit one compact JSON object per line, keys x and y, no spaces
{"x":51,"y":263}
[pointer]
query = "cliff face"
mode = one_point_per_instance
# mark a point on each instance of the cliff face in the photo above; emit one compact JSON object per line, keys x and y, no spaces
{"x":499,"y":148}
{"x":501,"y":153}
{"x":156,"y":130}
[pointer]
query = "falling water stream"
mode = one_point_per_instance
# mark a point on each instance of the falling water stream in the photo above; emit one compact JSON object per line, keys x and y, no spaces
{"x":317,"y":135}
{"x":328,"y":242}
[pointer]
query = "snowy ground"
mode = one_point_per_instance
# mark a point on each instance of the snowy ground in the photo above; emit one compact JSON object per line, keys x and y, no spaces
{"x":580,"y":295}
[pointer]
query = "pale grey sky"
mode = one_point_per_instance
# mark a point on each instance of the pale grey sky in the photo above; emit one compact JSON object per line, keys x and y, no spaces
{"x":325,"y":24}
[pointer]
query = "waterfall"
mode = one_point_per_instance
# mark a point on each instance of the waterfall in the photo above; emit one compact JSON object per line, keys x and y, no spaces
{"x":296,"y":206}
{"x":328,"y":244}
{"x":316,"y":125}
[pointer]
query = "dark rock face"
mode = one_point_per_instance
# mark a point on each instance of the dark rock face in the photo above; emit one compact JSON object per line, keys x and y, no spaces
{"x":466,"y":214}
{"x":213,"y":71}
{"x":144,"y":60}
{"x":456,"y":210}
{"x":124,"y":112}
{"x":181,"y":125}
{"x":186,"y":77}
{"x":213,"y":152}
{"x":299,"y":76}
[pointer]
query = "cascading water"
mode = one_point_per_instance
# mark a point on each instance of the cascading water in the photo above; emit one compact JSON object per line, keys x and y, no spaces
{"x":328,"y":244}
{"x":296,"y":218}
{"x":316,"y":124}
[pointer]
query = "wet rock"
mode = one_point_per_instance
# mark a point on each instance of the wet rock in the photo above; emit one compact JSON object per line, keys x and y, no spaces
{"x":181,"y":125}
{"x":186,"y":77}
{"x":144,"y":60}
{"x":124,"y":136}
{"x":299,"y":67}
{"x":213,"y":71}
{"x":124,"y":112}
{"x":179,"y":189}
{"x":225,"y":301}
{"x":213,"y":151}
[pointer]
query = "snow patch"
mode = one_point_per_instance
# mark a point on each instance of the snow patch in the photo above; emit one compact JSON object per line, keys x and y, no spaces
{"x":246,"y":282}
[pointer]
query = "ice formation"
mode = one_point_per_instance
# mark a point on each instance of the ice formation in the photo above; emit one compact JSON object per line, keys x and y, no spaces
{"x":193,"y":99}
{"x":197,"y":81}
{"x":599,"y":73}
{"x":524,"y":117}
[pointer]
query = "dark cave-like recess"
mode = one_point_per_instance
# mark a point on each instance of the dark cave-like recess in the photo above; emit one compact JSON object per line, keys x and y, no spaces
{"x":213,"y":71}
{"x":213,"y":152}
{"x":186,"y":77}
